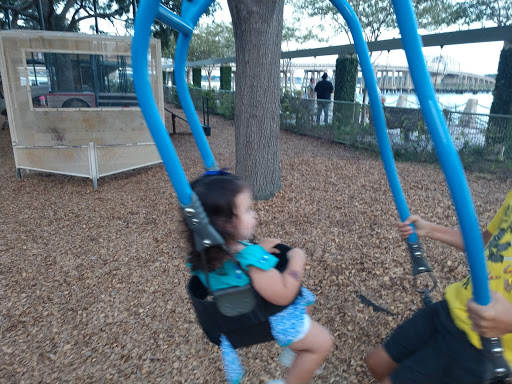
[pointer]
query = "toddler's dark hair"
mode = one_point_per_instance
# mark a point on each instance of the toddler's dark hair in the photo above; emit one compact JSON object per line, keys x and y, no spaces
{"x":217,"y":195}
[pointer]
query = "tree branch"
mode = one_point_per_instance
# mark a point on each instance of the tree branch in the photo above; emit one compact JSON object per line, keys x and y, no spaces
{"x":100,"y":15}
{"x":73,"y":20}
{"x":68,"y":6}
{"x":19,"y":11}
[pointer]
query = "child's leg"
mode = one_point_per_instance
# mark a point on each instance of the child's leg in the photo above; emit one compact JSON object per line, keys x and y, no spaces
{"x":311,"y":352}
{"x":380,"y":363}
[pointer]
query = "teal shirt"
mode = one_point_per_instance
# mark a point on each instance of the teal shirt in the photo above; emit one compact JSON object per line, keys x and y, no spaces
{"x":230,"y":275}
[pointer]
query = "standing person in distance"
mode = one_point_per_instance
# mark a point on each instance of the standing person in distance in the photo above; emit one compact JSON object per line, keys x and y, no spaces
{"x":311,"y":96}
{"x":323,"y":89}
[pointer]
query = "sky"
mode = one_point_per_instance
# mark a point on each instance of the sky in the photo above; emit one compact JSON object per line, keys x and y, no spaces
{"x":481,"y":58}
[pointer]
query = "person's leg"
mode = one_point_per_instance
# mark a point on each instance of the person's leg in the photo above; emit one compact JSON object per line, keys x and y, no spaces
{"x":405,"y":341}
{"x":326,"y":113}
{"x":380,"y":364}
{"x":318,"y":111}
{"x":311,"y":352}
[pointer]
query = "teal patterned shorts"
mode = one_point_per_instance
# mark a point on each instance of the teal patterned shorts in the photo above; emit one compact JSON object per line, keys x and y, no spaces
{"x":287,"y":325}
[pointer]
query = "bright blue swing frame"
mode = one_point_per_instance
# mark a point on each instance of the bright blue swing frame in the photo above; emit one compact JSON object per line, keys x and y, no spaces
{"x":191,"y":11}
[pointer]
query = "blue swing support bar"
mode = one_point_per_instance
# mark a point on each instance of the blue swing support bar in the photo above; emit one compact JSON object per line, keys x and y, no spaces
{"x":205,"y":235}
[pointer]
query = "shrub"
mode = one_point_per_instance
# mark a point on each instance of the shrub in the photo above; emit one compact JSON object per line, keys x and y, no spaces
{"x":196,"y":77}
{"x":225,"y":77}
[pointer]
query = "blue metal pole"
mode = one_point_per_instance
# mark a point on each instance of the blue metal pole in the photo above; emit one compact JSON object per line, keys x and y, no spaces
{"x":496,"y":366}
{"x":140,"y":46}
{"x":165,"y":16}
{"x":448,"y":157}
{"x":191,"y":11}
{"x":377,"y":111}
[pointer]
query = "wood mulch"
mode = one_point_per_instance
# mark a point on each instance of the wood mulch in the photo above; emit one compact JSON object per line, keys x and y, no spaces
{"x":92,"y":282}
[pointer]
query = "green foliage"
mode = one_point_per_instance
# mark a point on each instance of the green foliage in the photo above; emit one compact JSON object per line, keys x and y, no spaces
{"x":502,"y":101}
{"x":375,"y":16}
{"x":219,"y":102}
{"x":498,"y":12}
{"x":225,"y":77}
{"x":502,"y":95}
{"x":346,"y":78}
{"x":288,"y":99}
{"x":212,"y":41}
{"x":166,"y":34}
{"x":285,"y":102}
{"x":171,"y":95}
{"x":210,"y":95}
{"x":63,"y":17}
{"x":346,"y":121}
{"x":345,"y":89}
{"x":226,"y":104}
{"x":196,"y":77}
{"x":66,"y":15}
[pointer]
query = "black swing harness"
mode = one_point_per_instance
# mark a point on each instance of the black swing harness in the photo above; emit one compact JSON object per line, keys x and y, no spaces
{"x":239,"y":313}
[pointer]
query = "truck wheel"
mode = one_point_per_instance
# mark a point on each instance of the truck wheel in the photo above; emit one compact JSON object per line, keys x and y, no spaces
{"x":75,"y":103}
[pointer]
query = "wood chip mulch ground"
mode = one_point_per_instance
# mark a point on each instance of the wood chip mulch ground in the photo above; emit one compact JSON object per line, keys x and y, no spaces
{"x":92,"y":282}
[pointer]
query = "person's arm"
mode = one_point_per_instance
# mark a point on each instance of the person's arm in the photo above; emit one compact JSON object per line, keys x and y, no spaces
{"x":451,"y":237}
{"x":493,"y":320}
{"x":280,"y":288}
{"x":269,"y":244}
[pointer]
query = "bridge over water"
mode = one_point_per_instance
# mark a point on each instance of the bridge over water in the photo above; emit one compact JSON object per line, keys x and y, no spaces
{"x":445,"y":75}
{"x":392,"y":78}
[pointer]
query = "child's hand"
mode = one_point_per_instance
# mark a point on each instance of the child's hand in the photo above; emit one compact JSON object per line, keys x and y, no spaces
{"x":268,"y":244}
{"x":492,"y":320}
{"x":405,"y":230}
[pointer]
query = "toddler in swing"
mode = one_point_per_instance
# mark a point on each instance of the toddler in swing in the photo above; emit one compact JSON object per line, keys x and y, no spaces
{"x":440,"y":343}
{"x":227,"y":201}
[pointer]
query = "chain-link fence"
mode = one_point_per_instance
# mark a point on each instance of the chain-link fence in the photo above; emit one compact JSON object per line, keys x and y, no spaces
{"x":219,"y":102}
{"x":484,"y":141}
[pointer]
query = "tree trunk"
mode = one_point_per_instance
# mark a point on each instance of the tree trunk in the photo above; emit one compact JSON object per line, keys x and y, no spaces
{"x":258,"y":28}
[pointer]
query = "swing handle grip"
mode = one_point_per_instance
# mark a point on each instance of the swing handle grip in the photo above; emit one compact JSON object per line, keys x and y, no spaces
{"x":498,"y":368}
{"x":420,"y":265}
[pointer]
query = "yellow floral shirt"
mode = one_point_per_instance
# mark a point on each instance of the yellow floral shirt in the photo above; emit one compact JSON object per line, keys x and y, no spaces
{"x":498,"y":253}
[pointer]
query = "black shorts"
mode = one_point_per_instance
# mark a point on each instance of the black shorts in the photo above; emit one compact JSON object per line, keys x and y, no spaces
{"x":430,"y":349}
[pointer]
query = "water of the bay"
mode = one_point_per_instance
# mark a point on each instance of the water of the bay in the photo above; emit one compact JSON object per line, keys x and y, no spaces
{"x":451,"y":101}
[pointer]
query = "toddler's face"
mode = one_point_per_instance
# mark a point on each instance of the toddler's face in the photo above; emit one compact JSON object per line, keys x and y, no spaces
{"x":245,"y":217}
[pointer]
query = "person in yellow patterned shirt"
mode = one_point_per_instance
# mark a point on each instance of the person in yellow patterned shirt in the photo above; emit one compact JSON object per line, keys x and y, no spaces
{"x":440,"y":343}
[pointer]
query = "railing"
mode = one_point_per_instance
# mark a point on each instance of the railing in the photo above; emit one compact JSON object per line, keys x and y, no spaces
{"x":220,"y":102}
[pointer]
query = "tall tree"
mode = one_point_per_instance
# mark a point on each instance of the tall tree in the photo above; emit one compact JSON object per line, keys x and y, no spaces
{"x":294,"y":33}
{"x":499,"y":13}
{"x":375,"y":16}
{"x":496,"y":12}
{"x":210,"y":41}
{"x":64,"y":15}
{"x":258,"y":27}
